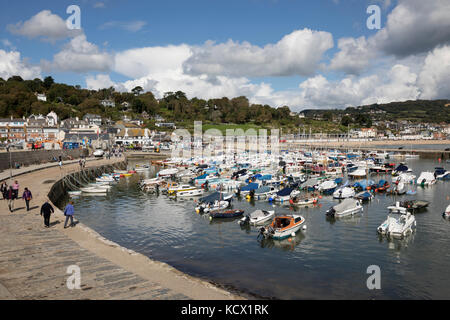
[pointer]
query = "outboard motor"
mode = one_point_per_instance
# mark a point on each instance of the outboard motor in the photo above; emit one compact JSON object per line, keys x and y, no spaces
{"x":244,"y":221}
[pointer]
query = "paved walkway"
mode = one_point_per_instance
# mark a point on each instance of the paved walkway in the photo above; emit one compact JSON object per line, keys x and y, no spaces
{"x":34,"y":259}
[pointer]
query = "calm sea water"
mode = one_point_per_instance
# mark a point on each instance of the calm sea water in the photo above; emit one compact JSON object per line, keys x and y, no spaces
{"x":329,"y":260}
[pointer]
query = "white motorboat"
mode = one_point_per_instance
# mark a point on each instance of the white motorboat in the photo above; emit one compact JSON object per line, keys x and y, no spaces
{"x":398,"y":225}
{"x":257,"y":217}
{"x":343,"y":193}
{"x":327,"y":187}
{"x":426,"y":178}
{"x":404,"y":177}
{"x":446,"y":213}
{"x":345,"y":208}
{"x":190,"y":193}
{"x":217,"y":205}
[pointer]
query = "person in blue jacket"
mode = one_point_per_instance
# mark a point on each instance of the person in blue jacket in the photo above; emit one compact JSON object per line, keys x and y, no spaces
{"x":68,"y":212}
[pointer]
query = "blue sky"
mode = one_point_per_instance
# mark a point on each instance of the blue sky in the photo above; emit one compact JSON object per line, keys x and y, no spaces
{"x":115,"y":27}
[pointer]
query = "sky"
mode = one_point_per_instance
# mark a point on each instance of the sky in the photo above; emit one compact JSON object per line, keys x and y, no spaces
{"x":303,"y":54}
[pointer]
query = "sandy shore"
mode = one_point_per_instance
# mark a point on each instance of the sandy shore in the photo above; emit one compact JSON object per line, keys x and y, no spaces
{"x":156,"y":272}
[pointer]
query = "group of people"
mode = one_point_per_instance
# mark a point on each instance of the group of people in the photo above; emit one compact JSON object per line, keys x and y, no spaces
{"x":82,"y":163}
{"x":11,"y":193}
{"x":47,"y":210}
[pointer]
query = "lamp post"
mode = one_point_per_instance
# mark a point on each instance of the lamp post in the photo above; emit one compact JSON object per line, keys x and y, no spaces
{"x":8,"y":148}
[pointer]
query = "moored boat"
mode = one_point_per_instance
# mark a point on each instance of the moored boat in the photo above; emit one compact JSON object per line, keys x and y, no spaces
{"x":283,"y":227}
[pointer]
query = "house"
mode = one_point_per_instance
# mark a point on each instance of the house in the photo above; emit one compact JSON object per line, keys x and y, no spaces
{"x":158,"y":118}
{"x":128,"y":136}
{"x":41,"y":97}
{"x":137,"y":122}
{"x":145,"y":115}
{"x":52,"y":119}
{"x":93,"y":119}
{"x":108,"y":103}
{"x":364,"y":133}
{"x":170,"y":125}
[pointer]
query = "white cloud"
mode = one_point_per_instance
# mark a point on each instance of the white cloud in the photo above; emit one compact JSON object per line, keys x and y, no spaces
{"x":79,"y":55}
{"x":354,"y":56}
{"x":44,"y":25}
{"x":415,"y":26}
{"x":11,"y":64}
{"x":434,"y":79}
{"x":298,"y":53}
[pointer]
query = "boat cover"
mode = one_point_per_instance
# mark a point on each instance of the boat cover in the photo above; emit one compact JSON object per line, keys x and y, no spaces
{"x":346,"y":204}
{"x":250,"y":186}
{"x":263,"y":189}
{"x":285,"y":192}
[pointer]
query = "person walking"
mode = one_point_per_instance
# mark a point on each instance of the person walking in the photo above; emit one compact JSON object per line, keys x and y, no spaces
{"x":10,"y":197}
{"x":15,"y":187}
{"x":27,"y":196}
{"x":68,"y":212}
{"x":4,"y":190}
{"x":47,"y":210}
{"x":81,"y":164}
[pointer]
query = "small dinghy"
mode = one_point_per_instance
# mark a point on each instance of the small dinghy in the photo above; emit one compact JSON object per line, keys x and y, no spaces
{"x":220,"y":213}
{"x":398,"y":189}
{"x":283,"y":227}
{"x":398,"y":225}
{"x":74,"y":193}
{"x":446,"y":213}
{"x":190,"y":193}
{"x":345,"y":208}
{"x":257,"y":217}
{"x":94,"y":190}
{"x":441,"y":174}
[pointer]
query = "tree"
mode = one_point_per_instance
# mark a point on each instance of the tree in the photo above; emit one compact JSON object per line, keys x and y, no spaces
{"x":48,"y":82}
{"x":328,"y":116}
{"x":346,"y":120}
{"x":137,"y":90}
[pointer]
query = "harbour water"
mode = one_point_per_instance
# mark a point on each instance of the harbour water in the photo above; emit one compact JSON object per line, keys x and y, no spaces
{"x":328,"y":260}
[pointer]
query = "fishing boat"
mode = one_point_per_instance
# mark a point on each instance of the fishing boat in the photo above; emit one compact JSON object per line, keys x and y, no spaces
{"x":283,"y":227}
{"x":343,"y":193}
{"x":257,"y":217}
{"x":345,"y":208}
{"x":398,"y":225}
{"x":220,"y":213}
{"x":426,"y":178}
{"x":446,"y":213}
{"x":364,"y":196}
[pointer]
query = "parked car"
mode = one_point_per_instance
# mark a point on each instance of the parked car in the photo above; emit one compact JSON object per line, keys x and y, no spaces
{"x":99,"y":153}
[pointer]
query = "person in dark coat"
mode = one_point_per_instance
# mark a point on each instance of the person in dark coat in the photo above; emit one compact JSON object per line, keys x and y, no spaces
{"x":46,"y":211}
{"x":27,"y":196}
{"x":4,"y":190}
{"x":10,"y":195}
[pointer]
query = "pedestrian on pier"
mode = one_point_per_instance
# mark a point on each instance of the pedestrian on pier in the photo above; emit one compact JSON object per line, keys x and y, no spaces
{"x":27,"y":196}
{"x":68,"y":212}
{"x":10,"y":197}
{"x":4,"y":190}
{"x":15,"y":187}
{"x":46,"y":211}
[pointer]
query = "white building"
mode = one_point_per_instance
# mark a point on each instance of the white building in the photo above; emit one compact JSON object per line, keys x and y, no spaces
{"x":41,"y":97}
{"x":52,"y":119}
{"x":108,"y":103}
